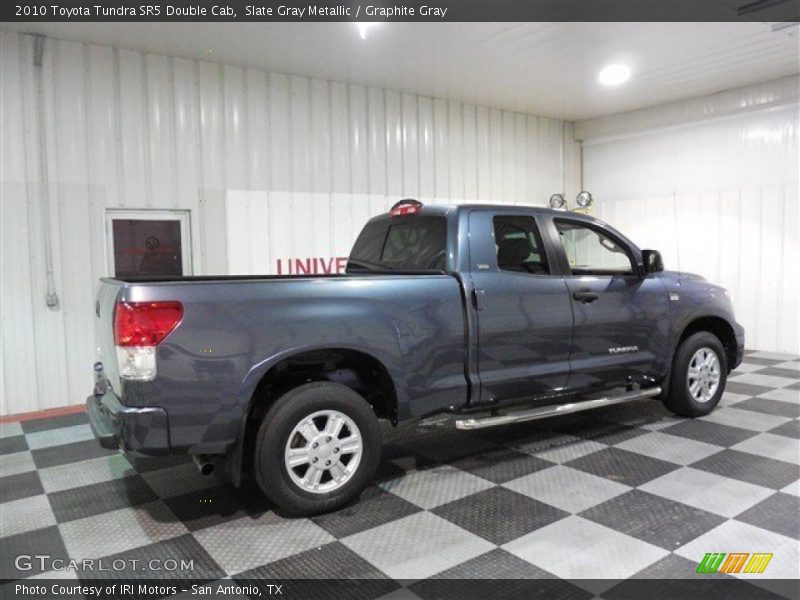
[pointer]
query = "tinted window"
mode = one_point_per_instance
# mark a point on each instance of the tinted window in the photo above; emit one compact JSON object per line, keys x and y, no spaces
{"x":519,"y":247}
{"x":402,"y":244}
{"x":147,"y":247}
{"x":591,"y":252}
{"x":367,"y":250}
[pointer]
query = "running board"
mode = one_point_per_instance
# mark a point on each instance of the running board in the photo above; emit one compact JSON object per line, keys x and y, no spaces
{"x":553,"y":410}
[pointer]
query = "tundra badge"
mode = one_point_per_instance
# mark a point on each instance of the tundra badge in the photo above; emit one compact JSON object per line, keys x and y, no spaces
{"x":623,"y":349}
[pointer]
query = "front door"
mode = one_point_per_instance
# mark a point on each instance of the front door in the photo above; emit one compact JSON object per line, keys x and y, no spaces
{"x":621,"y":317}
{"x":524,"y":313}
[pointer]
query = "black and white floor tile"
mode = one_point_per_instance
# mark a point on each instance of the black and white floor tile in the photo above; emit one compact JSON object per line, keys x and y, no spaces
{"x":624,"y":493}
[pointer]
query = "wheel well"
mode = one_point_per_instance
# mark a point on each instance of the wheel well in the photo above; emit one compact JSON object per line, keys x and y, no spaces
{"x":360,"y":372}
{"x":720,"y":328}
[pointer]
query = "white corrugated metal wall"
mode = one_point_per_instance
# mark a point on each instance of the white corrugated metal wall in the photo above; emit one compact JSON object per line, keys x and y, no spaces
{"x":130,"y":130}
{"x":712,"y":183}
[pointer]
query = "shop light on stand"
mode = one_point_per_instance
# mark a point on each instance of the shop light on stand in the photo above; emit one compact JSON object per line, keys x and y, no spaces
{"x":583,"y":200}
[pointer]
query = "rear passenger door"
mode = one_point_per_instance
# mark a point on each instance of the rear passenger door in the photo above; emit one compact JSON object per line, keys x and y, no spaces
{"x":523,"y":312}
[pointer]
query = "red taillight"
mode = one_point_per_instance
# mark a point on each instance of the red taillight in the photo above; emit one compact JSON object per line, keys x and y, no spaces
{"x":406,"y":207}
{"x":145,"y":323}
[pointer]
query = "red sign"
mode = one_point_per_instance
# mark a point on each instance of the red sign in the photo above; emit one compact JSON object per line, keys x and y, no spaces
{"x":311,"y":266}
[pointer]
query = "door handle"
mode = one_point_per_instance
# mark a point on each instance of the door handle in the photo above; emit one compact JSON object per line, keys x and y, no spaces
{"x":477,"y":298}
{"x":585,"y":296}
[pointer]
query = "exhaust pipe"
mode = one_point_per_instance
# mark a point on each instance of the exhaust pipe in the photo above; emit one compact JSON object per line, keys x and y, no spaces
{"x":204,"y":464}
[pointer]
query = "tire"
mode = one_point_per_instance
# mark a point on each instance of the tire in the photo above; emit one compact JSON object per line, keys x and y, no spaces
{"x":697,"y":396}
{"x":310,"y":487}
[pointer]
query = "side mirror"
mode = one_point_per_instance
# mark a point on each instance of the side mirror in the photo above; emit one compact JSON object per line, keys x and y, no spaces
{"x":653,"y":263}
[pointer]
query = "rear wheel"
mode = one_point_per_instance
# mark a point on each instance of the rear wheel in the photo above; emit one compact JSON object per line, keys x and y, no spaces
{"x":699,"y":373}
{"x":317,"y":448}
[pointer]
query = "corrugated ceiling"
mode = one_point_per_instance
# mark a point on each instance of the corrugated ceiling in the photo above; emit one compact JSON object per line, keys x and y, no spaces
{"x":548,"y":69}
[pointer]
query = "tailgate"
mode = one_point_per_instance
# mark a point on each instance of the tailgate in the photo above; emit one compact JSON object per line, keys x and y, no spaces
{"x":107,"y":295}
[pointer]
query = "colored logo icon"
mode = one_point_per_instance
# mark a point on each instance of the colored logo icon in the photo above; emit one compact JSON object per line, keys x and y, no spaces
{"x":734,"y":562}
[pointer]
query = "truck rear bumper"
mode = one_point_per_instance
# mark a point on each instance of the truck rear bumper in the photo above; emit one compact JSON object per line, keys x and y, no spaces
{"x":132,"y":429}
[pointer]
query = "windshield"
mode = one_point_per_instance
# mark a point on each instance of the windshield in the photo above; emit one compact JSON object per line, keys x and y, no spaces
{"x":401,"y":244}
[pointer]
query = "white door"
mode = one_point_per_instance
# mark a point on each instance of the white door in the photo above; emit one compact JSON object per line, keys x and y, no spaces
{"x":148,"y":243}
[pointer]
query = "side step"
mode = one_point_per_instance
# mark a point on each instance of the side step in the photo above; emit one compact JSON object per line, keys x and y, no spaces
{"x":553,"y":410}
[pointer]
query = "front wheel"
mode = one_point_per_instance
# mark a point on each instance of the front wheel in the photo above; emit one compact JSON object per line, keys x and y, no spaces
{"x":699,"y":373}
{"x":317,"y":448}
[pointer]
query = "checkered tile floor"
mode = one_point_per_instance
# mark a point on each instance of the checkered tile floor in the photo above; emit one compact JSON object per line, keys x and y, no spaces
{"x":620,"y":493}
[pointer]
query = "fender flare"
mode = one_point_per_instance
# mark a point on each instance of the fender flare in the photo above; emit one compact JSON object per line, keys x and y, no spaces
{"x":245,"y":395}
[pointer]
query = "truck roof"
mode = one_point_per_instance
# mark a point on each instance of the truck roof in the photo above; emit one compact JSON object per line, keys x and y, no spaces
{"x":448,"y":209}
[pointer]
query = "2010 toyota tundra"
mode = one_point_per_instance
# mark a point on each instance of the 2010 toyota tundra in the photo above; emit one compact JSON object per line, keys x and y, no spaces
{"x":498,"y":313}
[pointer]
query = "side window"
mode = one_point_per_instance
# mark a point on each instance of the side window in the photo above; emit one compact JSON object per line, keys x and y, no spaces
{"x":519,"y":246}
{"x":591,"y":252}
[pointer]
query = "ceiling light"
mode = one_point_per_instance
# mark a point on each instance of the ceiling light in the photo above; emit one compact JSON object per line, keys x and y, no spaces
{"x":364,"y":27}
{"x":614,"y":75}
{"x":557,"y":201}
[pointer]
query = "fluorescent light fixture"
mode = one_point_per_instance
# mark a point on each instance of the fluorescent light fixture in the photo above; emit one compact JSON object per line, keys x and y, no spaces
{"x":364,"y":27}
{"x":614,"y":75}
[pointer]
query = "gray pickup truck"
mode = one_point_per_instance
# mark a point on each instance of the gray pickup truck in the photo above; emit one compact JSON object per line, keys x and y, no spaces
{"x":500,"y":314}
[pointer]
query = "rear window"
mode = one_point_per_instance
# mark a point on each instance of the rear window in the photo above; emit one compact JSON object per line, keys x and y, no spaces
{"x":404,"y":244}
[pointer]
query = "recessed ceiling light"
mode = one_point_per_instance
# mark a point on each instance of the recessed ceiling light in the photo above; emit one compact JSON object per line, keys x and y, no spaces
{"x":364,"y":27}
{"x":614,"y":75}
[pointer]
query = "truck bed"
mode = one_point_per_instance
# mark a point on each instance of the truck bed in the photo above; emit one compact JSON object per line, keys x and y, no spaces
{"x":234,"y":278}
{"x":236,"y":328}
